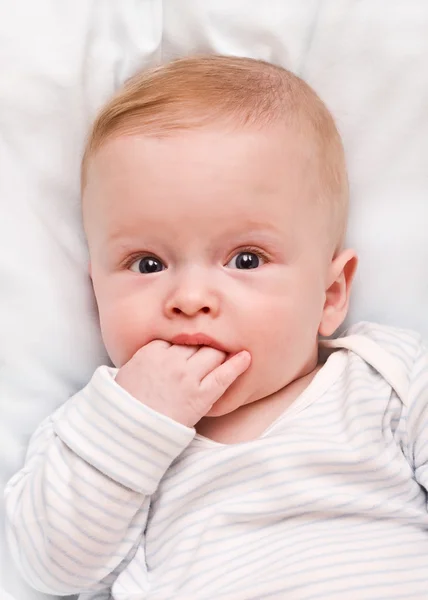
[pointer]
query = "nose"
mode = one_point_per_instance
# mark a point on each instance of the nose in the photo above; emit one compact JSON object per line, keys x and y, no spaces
{"x":193,"y":294}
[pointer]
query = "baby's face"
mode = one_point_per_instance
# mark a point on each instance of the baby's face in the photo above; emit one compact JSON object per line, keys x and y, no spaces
{"x":213,"y":233}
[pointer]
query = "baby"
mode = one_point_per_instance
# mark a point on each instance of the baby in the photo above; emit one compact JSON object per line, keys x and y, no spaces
{"x":230,"y":454}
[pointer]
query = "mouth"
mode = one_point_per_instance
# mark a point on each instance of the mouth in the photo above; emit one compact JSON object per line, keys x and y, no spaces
{"x":197,"y":339}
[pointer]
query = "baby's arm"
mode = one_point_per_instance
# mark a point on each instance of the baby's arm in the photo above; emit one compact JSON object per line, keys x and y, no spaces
{"x":77,"y":510}
{"x":79,"y":506}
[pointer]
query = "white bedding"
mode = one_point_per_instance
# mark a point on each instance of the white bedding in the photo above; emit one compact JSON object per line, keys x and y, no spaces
{"x":59,"y":61}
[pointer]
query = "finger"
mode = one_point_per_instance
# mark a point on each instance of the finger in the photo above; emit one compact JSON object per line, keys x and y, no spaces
{"x":205,"y":360}
{"x":183,"y":350}
{"x":217,"y":382}
{"x":154,"y":346}
{"x":159,"y":344}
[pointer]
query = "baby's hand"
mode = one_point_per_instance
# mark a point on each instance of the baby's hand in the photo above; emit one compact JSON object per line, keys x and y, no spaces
{"x":181,"y":382}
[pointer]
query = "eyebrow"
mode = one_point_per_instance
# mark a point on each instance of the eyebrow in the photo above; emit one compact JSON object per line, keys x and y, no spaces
{"x":248,"y":231}
{"x":256,"y":231}
{"x":245,"y":227}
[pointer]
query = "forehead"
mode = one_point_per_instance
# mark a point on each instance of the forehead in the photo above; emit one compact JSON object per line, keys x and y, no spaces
{"x":254,"y":175}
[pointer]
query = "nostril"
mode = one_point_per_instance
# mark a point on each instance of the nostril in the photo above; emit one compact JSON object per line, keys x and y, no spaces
{"x":178,"y":311}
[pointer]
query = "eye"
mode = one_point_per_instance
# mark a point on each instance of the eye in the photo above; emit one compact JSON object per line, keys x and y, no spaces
{"x":146,"y":265}
{"x":246,"y":260}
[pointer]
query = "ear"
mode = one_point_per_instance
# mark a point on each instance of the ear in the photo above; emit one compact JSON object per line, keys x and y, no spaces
{"x":340,"y":276}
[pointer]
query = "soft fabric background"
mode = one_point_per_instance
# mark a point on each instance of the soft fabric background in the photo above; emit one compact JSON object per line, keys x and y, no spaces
{"x":60,"y":60}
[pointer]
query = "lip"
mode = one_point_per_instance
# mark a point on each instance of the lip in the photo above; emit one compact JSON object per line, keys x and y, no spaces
{"x":197,"y":339}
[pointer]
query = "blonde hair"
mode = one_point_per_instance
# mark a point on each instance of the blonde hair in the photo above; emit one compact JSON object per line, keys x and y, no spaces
{"x":191,"y":93}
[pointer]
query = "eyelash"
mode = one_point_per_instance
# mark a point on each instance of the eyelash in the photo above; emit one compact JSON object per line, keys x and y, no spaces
{"x":252,"y":250}
{"x":248,"y":249}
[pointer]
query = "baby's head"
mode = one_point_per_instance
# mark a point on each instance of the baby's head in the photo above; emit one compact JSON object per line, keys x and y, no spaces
{"x":215,"y":202}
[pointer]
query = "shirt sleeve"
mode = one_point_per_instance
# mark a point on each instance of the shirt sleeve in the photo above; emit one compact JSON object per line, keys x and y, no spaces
{"x":417,"y":418}
{"x":77,"y":511}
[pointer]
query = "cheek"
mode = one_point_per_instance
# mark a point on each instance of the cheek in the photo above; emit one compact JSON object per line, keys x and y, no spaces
{"x":285,"y":331}
{"x":125,"y":327}
{"x":118,"y":336}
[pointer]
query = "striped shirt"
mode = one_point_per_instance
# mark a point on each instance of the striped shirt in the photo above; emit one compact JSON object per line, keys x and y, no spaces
{"x":117,"y":501}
